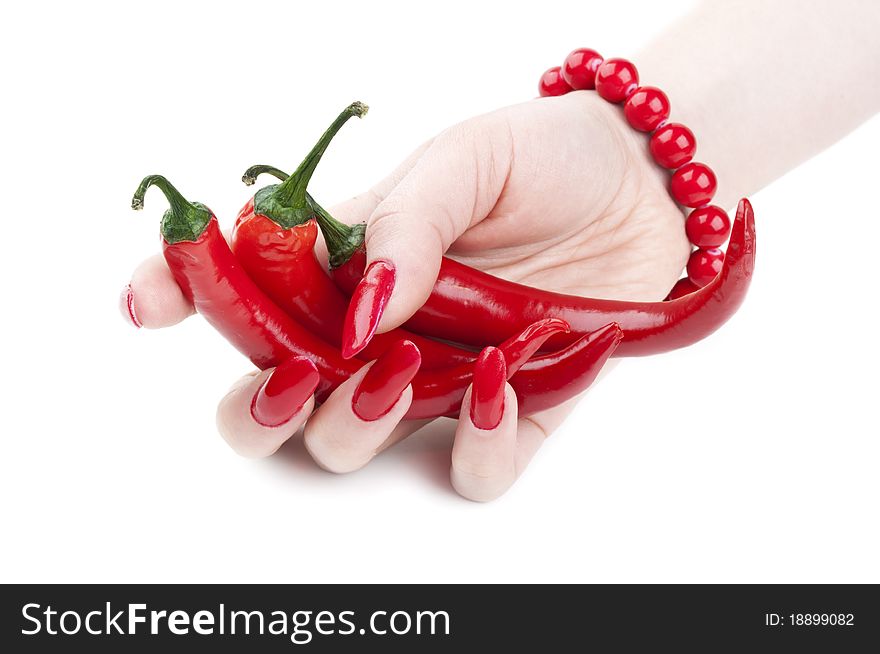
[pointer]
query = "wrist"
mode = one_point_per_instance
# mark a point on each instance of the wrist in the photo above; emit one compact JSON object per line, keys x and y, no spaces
{"x":633,"y":176}
{"x":672,"y":145}
{"x":696,"y":97}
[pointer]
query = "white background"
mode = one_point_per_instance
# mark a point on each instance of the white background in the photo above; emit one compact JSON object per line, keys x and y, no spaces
{"x":749,"y":457}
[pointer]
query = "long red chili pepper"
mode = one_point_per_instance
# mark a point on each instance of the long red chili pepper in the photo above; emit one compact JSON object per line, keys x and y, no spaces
{"x":212,"y":279}
{"x":209,"y":275}
{"x":476,"y":308}
{"x":542,"y":383}
{"x":274,"y":239}
{"x":473,"y":307}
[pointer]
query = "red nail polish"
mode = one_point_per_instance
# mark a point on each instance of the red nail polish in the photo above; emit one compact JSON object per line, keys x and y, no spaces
{"x":285,"y":392}
{"x":367,"y":306}
{"x":487,"y":393}
{"x":381,"y":387}
{"x":126,"y":306}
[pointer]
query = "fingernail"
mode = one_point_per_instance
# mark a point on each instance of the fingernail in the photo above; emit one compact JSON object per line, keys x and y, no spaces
{"x":367,"y":306}
{"x":284,"y":392}
{"x":381,"y":387}
{"x":126,"y":306}
{"x":487,"y":393}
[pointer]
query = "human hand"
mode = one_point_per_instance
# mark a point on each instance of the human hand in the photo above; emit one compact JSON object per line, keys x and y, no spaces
{"x":557,"y":193}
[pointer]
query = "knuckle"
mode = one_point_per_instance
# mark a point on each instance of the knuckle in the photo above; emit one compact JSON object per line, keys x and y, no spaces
{"x":333,"y":459}
{"x":481,"y":472}
{"x":386,"y":220}
{"x":479,"y":487}
{"x":541,"y":429}
{"x":234,"y":423}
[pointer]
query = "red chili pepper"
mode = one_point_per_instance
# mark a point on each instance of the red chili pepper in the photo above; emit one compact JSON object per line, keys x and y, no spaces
{"x":541,"y":383}
{"x":475,"y":308}
{"x":274,"y":239}
{"x":212,"y":279}
{"x":472,"y":307}
{"x":550,"y":380}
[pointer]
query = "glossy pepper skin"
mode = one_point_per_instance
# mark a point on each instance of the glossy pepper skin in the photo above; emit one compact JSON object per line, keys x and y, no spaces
{"x":552,"y":379}
{"x":473,"y":307}
{"x":283,"y":264}
{"x":274,"y":239}
{"x":211,"y":278}
{"x":542,"y":383}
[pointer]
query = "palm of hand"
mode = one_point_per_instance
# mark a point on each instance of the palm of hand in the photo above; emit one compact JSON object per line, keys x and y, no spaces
{"x":577,"y":206}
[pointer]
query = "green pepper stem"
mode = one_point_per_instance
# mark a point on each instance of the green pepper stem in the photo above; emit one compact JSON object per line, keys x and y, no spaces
{"x":184,"y":221}
{"x":251,"y":174}
{"x":179,"y":204}
{"x":342,"y":240}
{"x":292,"y":191}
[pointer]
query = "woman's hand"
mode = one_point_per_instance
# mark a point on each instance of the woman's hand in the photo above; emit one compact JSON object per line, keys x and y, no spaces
{"x":557,"y":193}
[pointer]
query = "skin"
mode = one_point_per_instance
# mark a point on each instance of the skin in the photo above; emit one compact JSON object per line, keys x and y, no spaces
{"x":561,"y":194}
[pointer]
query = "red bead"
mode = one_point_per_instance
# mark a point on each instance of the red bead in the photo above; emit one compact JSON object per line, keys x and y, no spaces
{"x":646,"y":108}
{"x":616,"y":79}
{"x":579,"y":69}
{"x":704,"y":265}
{"x":682,"y":287}
{"x":693,"y":184}
{"x":707,"y":227}
{"x":552,"y":83}
{"x":673,"y":145}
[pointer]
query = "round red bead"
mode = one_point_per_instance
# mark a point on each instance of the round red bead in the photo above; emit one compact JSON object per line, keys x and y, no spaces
{"x":704,"y":265}
{"x":646,"y":108}
{"x":707,"y":227}
{"x":579,"y":68}
{"x":673,"y":145}
{"x":552,"y":83}
{"x":693,"y":184}
{"x":616,"y":79}
{"x":682,"y":287}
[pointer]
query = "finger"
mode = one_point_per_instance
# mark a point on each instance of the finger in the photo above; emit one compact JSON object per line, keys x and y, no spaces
{"x":362,"y":414}
{"x":486,"y":462}
{"x":153,"y":299}
{"x":359,"y":208}
{"x":262,"y":411}
{"x":533,"y":430}
{"x":484,"y":451}
{"x":402,"y":431}
{"x":453,"y":185}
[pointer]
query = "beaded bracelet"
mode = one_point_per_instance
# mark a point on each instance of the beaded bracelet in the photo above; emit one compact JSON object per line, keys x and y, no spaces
{"x":673,"y":146}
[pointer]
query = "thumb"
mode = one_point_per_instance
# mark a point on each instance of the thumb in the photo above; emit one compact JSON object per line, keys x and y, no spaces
{"x":452,"y":187}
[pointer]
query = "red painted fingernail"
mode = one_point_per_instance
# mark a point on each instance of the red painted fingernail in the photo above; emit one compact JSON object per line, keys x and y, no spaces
{"x":381,"y":387}
{"x":487,"y":393}
{"x":126,"y":306}
{"x":367,"y":306}
{"x":284,"y":392}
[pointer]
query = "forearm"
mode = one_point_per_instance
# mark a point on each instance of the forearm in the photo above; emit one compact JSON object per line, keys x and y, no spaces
{"x":766,"y":85}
